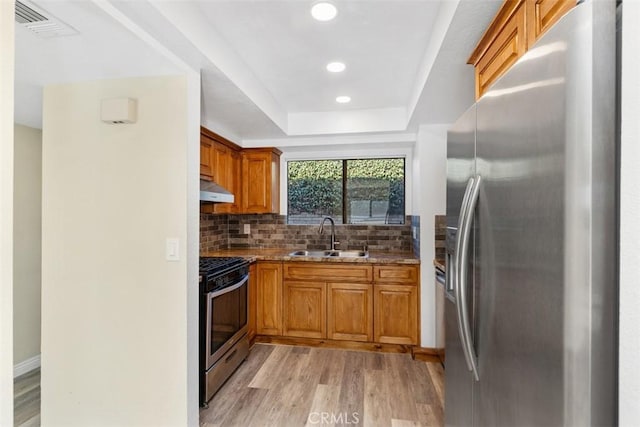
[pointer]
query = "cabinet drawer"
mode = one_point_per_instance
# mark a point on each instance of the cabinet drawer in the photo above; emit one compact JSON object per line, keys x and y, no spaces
{"x":406,"y":274}
{"x":328,"y":272}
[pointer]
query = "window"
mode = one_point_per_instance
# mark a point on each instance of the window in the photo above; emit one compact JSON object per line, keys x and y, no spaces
{"x":356,"y":191}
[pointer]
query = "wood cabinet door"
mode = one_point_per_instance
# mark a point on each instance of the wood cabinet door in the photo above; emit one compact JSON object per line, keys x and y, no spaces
{"x":395,"y":314}
{"x":350,"y":311}
{"x":269,"y":298}
{"x":256,"y":188}
{"x":260,"y":180}
{"x":305,"y":310}
{"x":220,"y":164}
{"x":253,"y":301}
{"x":542,"y":14}
{"x":509,"y":44}
{"x":230,"y":166}
{"x":206,"y":165}
{"x":235,"y":178}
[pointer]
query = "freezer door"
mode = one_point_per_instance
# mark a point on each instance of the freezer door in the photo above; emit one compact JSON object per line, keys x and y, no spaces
{"x":461,"y":166}
{"x":461,"y":140}
{"x":458,"y":379}
{"x":545,"y":235}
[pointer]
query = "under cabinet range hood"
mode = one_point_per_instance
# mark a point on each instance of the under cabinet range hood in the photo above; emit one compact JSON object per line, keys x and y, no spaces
{"x":212,"y":192}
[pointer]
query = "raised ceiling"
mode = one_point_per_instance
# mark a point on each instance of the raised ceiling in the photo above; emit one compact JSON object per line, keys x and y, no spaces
{"x":263,"y":63}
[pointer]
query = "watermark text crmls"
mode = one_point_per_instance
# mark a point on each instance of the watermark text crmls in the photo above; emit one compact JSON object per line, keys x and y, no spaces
{"x":341,"y":418}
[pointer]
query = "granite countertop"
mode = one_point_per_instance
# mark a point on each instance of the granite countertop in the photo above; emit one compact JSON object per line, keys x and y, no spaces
{"x":375,"y":257}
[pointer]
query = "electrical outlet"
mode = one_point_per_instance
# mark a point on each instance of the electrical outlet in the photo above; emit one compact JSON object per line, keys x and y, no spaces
{"x":247,"y":229}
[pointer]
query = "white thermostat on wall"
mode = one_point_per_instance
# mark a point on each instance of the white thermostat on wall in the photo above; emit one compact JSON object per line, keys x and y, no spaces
{"x":119,"y":110}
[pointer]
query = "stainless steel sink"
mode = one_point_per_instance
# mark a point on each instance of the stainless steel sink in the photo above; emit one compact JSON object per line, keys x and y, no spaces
{"x":337,"y":254}
{"x":349,"y":254}
{"x":311,"y":253}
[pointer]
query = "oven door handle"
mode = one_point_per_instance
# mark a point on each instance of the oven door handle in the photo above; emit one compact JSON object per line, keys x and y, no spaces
{"x":230,"y":288}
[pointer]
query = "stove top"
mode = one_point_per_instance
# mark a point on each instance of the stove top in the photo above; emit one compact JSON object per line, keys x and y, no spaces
{"x":219,"y":272}
{"x":210,"y":265}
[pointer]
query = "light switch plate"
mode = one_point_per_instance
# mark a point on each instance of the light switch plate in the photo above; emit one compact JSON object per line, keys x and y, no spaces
{"x":247,"y":229}
{"x":173,"y":249}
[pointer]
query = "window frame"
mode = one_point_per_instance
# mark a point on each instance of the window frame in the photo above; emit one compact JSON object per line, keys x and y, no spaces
{"x":398,"y":151}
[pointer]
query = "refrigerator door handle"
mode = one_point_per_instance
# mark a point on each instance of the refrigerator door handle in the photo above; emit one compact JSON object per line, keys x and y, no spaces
{"x":463,"y":264}
{"x":455,"y":273}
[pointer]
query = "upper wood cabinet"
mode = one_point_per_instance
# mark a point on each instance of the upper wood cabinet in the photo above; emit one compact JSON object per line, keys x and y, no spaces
{"x":514,"y":29}
{"x":542,"y":14}
{"x":230,"y":174}
{"x":509,"y":44}
{"x":261,"y":180}
{"x":220,"y":162}
{"x":252,"y":175}
{"x":206,"y":165}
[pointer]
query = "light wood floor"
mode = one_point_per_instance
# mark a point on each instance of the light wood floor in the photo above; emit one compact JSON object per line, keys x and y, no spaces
{"x":26,"y":399}
{"x":295,"y":386}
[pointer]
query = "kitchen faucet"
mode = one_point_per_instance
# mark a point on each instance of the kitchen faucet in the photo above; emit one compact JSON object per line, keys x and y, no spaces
{"x":333,"y":231}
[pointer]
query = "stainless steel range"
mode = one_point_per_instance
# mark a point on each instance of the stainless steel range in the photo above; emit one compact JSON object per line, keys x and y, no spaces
{"x":223,"y":321}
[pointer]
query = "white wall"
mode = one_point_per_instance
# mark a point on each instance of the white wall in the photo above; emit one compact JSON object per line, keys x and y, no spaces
{"x":27,"y":230}
{"x":429,"y":200}
{"x":629,"y":377}
{"x":114,"y":312}
{"x":6,"y":211}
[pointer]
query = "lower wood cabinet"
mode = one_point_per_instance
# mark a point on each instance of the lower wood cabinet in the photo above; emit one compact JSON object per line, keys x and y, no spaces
{"x":269,"y":298}
{"x":296,"y":300}
{"x":253,"y":301}
{"x":396,"y":314}
{"x":350,"y":312}
{"x":305,"y":310}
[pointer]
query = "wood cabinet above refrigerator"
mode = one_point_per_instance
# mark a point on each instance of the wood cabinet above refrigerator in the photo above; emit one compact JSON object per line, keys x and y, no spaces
{"x":515,"y":28}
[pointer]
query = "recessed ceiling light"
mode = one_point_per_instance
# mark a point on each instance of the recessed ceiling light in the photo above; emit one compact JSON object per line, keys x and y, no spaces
{"x":336,"y":67}
{"x":324,"y":11}
{"x":343,"y":99}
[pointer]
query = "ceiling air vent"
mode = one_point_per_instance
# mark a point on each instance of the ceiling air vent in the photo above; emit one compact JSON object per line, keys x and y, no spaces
{"x":39,"y":23}
{"x":25,"y":15}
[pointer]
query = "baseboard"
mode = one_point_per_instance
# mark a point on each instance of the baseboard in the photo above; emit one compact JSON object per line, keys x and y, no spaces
{"x":26,"y":366}
{"x":426,"y":354}
{"x":326,"y":343}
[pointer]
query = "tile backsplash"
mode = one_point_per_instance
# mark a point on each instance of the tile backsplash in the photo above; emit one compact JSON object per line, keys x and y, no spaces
{"x":415,"y":234}
{"x":440,"y":228}
{"x":214,"y":232}
{"x":272,"y":231}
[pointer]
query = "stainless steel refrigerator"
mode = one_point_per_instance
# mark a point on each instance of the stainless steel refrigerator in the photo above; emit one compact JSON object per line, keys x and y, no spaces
{"x":531,"y":335}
